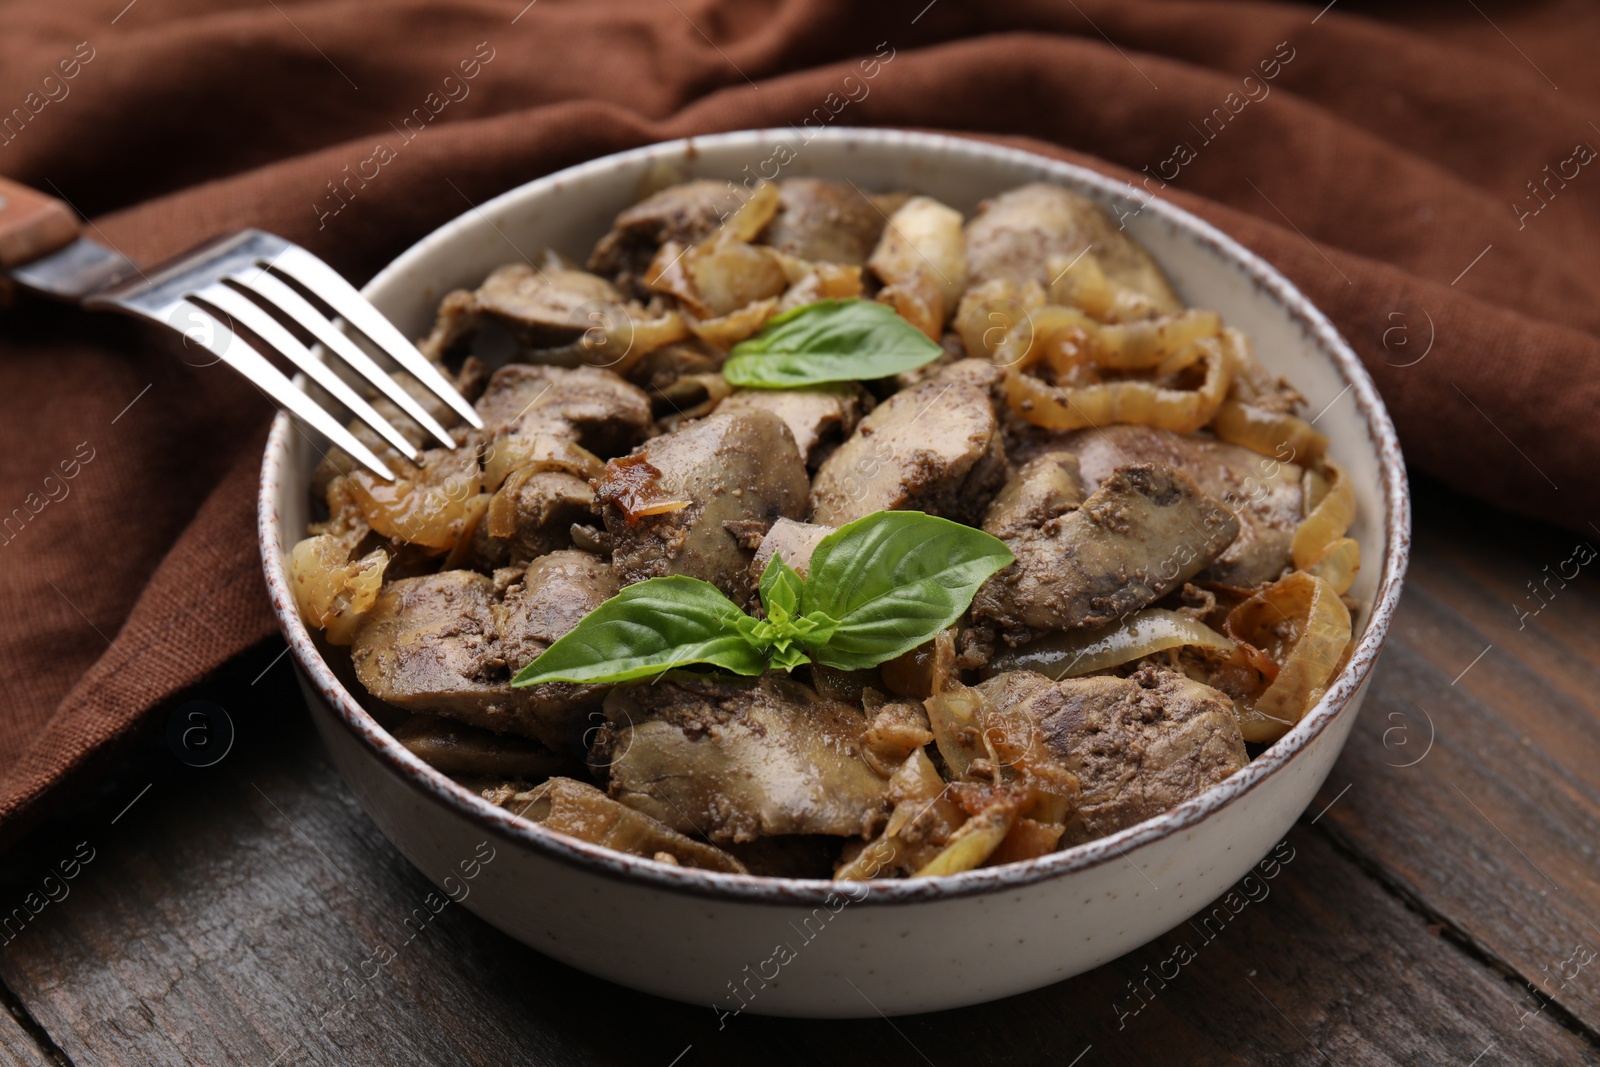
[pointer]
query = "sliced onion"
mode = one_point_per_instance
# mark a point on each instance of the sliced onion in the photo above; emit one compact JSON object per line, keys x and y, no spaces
{"x":1128,"y":401}
{"x":725,"y":331}
{"x":919,"y":302}
{"x":996,"y":313}
{"x":922,"y":804}
{"x":616,"y":339}
{"x":427,"y":505}
{"x":1328,"y":518}
{"x":669,"y":274}
{"x":955,"y":718}
{"x":1149,"y":343}
{"x":1269,"y":433}
{"x":1300,"y":623}
{"x":753,"y":215}
{"x":1081,"y":282}
{"x":1339,"y":564}
{"x":331,"y":590}
{"x":1167,"y":343}
{"x":975,"y":842}
{"x":1072,"y":653}
{"x":819,"y":281}
{"x":543,"y":452}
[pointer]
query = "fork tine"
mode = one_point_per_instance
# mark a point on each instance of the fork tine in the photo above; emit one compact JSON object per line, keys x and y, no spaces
{"x":350,"y":305}
{"x":232,"y":350}
{"x":240,"y":308}
{"x":292,"y":304}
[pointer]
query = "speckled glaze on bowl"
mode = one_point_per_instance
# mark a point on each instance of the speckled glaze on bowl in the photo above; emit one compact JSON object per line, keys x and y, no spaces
{"x":817,"y":948}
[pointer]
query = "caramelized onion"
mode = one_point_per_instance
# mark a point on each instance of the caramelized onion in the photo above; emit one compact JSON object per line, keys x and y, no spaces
{"x":924,"y":815}
{"x":1330,"y":515}
{"x":728,"y":275}
{"x":725,"y":331}
{"x":617,"y":339}
{"x":1339,"y":564}
{"x":543,"y":452}
{"x":1283,"y":436}
{"x":1126,"y":401}
{"x":331,"y":590}
{"x":1299,"y":623}
{"x":1082,"y":283}
{"x":1150,"y":343}
{"x":630,"y":484}
{"x":1075,"y":652}
{"x":668,"y":274}
{"x":427,"y":506}
{"x":753,"y":215}
{"x":996,"y":313}
{"x":975,"y":841}
{"x":918,"y":301}
{"x":820,"y":281}
{"x":954,"y":717}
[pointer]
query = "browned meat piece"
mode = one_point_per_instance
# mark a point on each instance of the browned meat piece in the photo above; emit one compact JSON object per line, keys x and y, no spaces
{"x":736,"y":468}
{"x":448,"y":644}
{"x":552,"y":315}
{"x":547,"y":307}
{"x":1014,"y":237}
{"x":738,"y":760}
{"x":456,"y":748}
{"x":978,"y":372}
{"x":1143,"y":533}
{"x":1138,"y":746}
{"x":531,"y":515}
{"x":1046,"y":487}
{"x":683,"y":213}
{"x":825,"y":220}
{"x":795,"y":541}
{"x":897,"y":730}
{"x":683,"y":380}
{"x":818,"y":417}
{"x":556,"y":592}
{"x":579,"y":810}
{"x":1262,"y":492}
{"x":605,"y":414}
{"x":934,"y":447}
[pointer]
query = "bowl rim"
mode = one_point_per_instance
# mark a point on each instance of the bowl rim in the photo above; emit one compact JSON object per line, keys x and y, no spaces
{"x":434,"y":785}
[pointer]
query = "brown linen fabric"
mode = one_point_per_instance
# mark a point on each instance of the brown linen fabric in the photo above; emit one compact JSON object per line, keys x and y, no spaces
{"x":1380,"y":167}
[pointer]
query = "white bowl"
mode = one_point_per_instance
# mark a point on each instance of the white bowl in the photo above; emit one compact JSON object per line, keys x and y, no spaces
{"x":817,"y":948}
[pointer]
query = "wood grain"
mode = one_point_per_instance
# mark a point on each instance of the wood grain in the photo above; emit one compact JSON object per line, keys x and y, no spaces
{"x":17,"y":1047}
{"x":1494,"y":831}
{"x":226,"y":909}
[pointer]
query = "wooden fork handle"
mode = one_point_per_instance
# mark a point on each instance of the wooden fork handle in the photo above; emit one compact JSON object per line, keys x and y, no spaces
{"x":32,"y":224}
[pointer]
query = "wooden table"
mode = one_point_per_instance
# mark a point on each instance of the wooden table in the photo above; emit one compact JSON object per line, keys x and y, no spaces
{"x":1440,"y":908}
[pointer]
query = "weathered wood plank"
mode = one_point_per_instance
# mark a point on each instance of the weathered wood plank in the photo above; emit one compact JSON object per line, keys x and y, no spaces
{"x":222,"y":915}
{"x":17,"y":1047}
{"x":1496,"y":828}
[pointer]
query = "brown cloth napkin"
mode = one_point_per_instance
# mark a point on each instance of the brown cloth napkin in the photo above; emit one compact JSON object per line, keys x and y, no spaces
{"x":1423,"y":176}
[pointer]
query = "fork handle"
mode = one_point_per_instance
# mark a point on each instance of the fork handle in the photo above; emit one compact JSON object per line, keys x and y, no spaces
{"x":32,"y":224}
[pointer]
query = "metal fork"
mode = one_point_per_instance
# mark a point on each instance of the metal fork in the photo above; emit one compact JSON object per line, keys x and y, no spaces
{"x":242,"y":279}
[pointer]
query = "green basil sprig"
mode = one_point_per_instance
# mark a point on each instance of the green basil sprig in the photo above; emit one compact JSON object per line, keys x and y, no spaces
{"x":829,"y":341}
{"x":878,"y":587}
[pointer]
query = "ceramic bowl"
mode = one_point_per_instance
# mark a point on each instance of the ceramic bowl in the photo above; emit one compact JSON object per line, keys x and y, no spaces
{"x":817,"y":948}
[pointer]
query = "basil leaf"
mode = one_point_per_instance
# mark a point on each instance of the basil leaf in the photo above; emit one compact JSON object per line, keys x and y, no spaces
{"x":647,"y":629}
{"x":829,"y":341}
{"x":779,"y":589}
{"x":891,"y":581}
